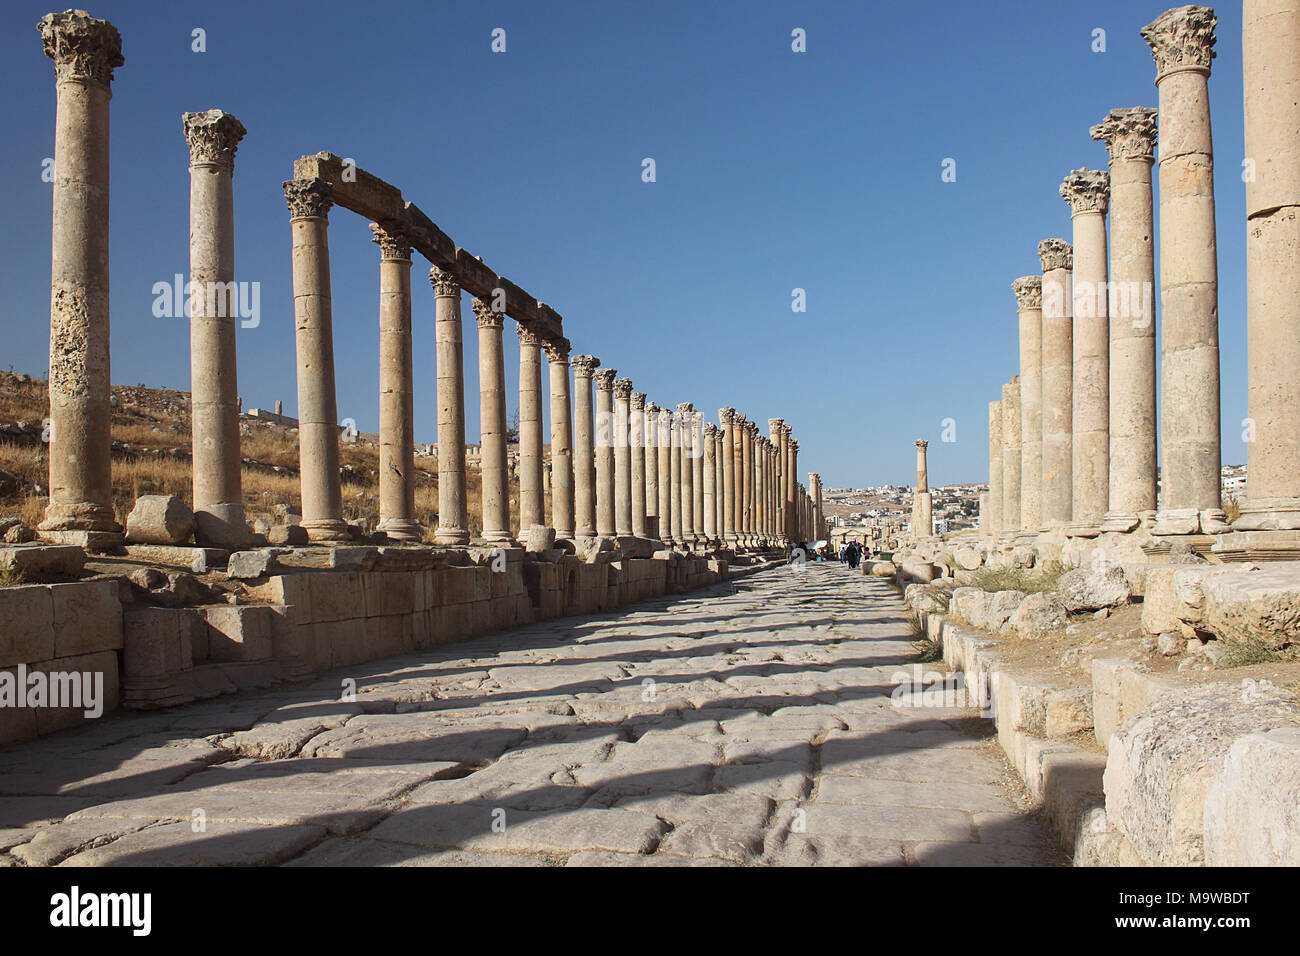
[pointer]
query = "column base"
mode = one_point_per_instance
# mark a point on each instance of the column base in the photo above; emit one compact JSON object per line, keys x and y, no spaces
{"x":79,"y":516}
{"x":327,"y":529}
{"x":92,"y":542}
{"x":1278,"y":545}
{"x":1183,"y":521}
{"x":222,"y":526}
{"x":1122,"y":522}
{"x":1268,"y":514}
{"x":451,"y":536}
{"x":401,"y":529}
{"x":1084,"y":529}
{"x":500,"y":539}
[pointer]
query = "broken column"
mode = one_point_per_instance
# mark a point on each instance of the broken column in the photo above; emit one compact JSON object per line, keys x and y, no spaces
{"x":1130,"y":137}
{"x":453,"y":504}
{"x":85,"y":52}
{"x":922,"y":514}
{"x":213,"y":137}
{"x":1182,"y":44}
{"x":1011,"y":456}
{"x":994,"y":527}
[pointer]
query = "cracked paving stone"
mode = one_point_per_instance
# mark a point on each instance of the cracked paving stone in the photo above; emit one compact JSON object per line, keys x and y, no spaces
{"x":471,"y":827}
{"x":221,"y":844}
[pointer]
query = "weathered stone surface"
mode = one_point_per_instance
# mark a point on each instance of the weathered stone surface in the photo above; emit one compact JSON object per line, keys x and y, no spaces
{"x":249,"y":565}
{"x":540,"y":538}
{"x":43,"y":562}
{"x":159,"y":519}
{"x":1251,"y":815}
{"x":1089,"y":589}
{"x":1038,"y":616}
{"x":287,"y":535}
{"x":1261,"y":605}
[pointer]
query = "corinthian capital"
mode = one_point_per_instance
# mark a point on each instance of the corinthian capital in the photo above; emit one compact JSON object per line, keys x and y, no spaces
{"x":1128,"y":133}
{"x":725,"y":415}
{"x":308,"y":198}
{"x":585,"y":365}
{"x":557,"y":350}
{"x":605,"y":379}
{"x":213,"y":137}
{"x":528,"y":339}
{"x":488,"y":317}
{"x":1056,"y":254}
{"x":638,"y":401}
{"x":443,"y":282}
{"x":81,"y":47}
{"x":623,"y":388}
{"x":1086,"y":190}
{"x":393,"y":243}
{"x":1182,"y":39}
{"x":1029,"y":292}
{"x":774,"y":426}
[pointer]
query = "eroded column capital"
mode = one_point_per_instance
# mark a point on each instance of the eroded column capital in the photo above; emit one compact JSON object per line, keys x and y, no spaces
{"x":394,"y":244}
{"x":794,"y":444}
{"x":726,"y":415}
{"x":213,"y":136}
{"x":605,"y":379}
{"x":685,"y":410}
{"x":1029,"y":292}
{"x":488,"y":317}
{"x":308,"y":198}
{"x":710,"y":430}
{"x":638,"y":401}
{"x":775,"y":426}
{"x":443,"y":282}
{"x":1182,"y":39}
{"x":81,"y":47}
{"x":1086,"y":190}
{"x":557,"y":350}
{"x":1055,"y":254}
{"x":1129,"y":133}
{"x":921,"y":443}
{"x":527,"y":337}
{"x":623,"y":388}
{"x":584,"y":366}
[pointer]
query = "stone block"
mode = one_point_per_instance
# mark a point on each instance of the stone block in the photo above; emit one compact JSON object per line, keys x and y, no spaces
{"x":240,"y":632}
{"x":87,"y":617}
{"x":337,"y":595}
{"x":43,"y":562}
{"x":26,"y":625}
{"x":159,"y":519}
{"x":250,"y":565}
{"x":1251,"y":815}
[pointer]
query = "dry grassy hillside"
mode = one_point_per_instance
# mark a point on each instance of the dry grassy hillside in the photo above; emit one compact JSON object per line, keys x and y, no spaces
{"x":151,"y":455}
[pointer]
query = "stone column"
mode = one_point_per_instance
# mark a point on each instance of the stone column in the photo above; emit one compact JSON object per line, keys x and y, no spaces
{"x":776,"y":434}
{"x":818,"y":517}
{"x":318,"y":430}
{"x":747,"y":472}
{"x":1011,"y":456}
{"x":605,"y":520}
{"x":1130,"y":136}
{"x":651,"y":439}
{"x":584,"y":468}
{"x":557,"y":355}
{"x":1029,"y":302}
{"x":453,"y":501}
{"x":531,"y":503}
{"x":1057,"y":257}
{"x":720,"y":490}
{"x":636,"y":450}
{"x":675,"y":478}
{"x":922,"y":523}
{"x":1088,"y":192}
{"x":1182,"y":44}
{"x":710,"y":467}
{"x":213,"y":138}
{"x":727,"y":528}
{"x":697,"y":477}
{"x":798,"y":489}
{"x":492,"y":425}
{"x":668,"y":473}
{"x":85,"y":52}
{"x":396,"y":395}
{"x":1270,"y":38}
{"x":995,"y":470}
{"x":622,"y":458}
{"x":760,"y":485}
{"x":686,"y":416}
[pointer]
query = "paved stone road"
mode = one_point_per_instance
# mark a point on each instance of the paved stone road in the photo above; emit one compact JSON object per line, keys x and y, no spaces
{"x":748,"y":724}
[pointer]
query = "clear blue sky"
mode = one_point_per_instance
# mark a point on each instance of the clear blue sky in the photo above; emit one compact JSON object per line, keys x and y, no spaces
{"x":775,"y":170}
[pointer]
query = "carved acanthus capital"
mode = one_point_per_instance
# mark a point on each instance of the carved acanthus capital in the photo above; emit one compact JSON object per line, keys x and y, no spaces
{"x":787,"y":429}
{"x":585,"y":365}
{"x":1029,"y":292}
{"x":1056,"y":254}
{"x":443,"y":282}
{"x":557,"y":350}
{"x":394,"y":244}
{"x":605,"y":379}
{"x":81,"y":47}
{"x":1182,"y":39}
{"x":710,"y":431}
{"x":794,"y":444}
{"x":308,"y":198}
{"x":623,"y":388}
{"x":774,"y":426}
{"x":1086,"y":190}
{"x":725,"y":415}
{"x":213,"y":136}
{"x":638,"y":401}
{"x":1129,"y":133}
{"x":488,"y":317}
{"x":652,"y":411}
{"x":527,"y":337}
{"x":685,"y":410}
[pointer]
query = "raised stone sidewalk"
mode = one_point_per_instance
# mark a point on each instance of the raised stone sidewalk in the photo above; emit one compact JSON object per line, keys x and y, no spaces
{"x":750,"y":725}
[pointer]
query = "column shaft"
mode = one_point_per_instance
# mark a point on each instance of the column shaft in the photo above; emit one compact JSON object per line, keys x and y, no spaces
{"x":492,"y":425}
{"x":557,"y":354}
{"x":584,"y":468}
{"x":1057,"y":257}
{"x":636,"y":451}
{"x":453,"y":503}
{"x":396,"y":394}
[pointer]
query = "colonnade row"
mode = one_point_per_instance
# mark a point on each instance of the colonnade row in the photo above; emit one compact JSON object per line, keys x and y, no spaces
{"x":625,"y":467}
{"x":1073,"y":436}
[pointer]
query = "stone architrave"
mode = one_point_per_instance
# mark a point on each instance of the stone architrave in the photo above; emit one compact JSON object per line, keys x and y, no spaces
{"x":1130,"y":137}
{"x":532,"y":509}
{"x":1029,"y":304}
{"x":309,"y":201}
{"x":85,"y":52}
{"x":557,"y":355}
{"x":453,"y":501}
{"x":584,"y":436}
{"x":622,"y":457}
{"x":1057,"y":258}
{"x":1011,"y":455}
{"x":636,"y":450}
{"x":218,"y":502}
{"x":1182,"y":45}
{"x":493,"y":463}
{"x":1270,"y":39}
{"x":396,"y":393}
